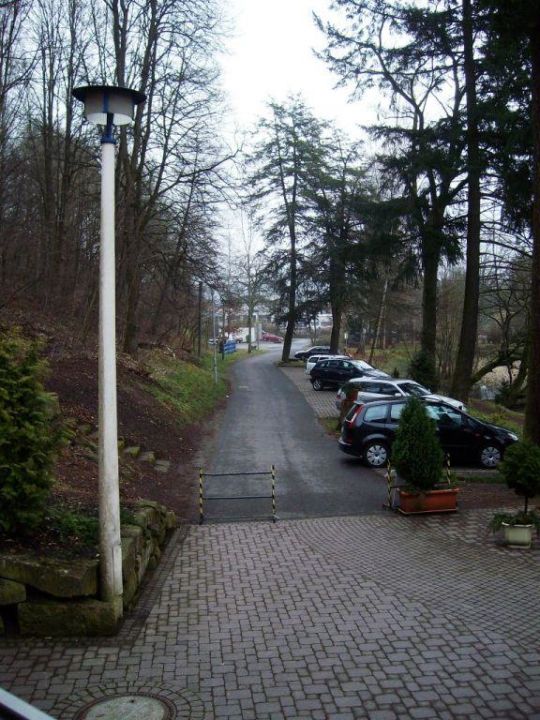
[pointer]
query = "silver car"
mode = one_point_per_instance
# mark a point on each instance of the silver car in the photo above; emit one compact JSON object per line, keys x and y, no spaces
{"x":378,"y":389}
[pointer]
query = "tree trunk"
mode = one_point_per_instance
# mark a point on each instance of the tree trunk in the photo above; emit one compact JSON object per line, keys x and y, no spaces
{"x":291,"y":317}
{"x":337,"y":279}
{"x":379,"y":321}
{"x":428,"y":338}
{"x":532,"y":406}
{"x":461,"y":383}
{"x":336,"y":328}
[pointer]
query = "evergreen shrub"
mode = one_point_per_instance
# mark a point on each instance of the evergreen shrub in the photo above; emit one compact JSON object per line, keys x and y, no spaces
{"x":416,"y":452}
{"x":30,"y":435}
{"x":423,"y":370}
{"x":521,"y":470}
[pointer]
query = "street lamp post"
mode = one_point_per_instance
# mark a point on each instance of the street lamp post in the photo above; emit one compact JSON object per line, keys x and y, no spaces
{"x":108,"y":106}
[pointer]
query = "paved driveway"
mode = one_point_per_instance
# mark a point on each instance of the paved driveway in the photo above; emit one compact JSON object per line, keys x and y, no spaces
{"x":372,"y":616}
{"x":376,"y":617}
{"x":268,"y":421}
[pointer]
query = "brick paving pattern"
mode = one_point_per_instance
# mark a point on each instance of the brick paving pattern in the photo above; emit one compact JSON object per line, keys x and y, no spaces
{"x":375,"y":617}
{"x":322,"y":401}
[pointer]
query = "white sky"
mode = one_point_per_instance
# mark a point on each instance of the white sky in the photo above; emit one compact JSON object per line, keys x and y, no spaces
{"x":271,"y":56}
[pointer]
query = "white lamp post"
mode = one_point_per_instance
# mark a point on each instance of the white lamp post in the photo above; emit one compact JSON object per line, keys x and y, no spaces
{"x":108,"y":106}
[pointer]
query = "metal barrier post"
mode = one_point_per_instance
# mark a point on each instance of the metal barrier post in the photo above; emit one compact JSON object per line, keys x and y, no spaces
{"x":391,"y":486}
{"x":273,"y":493}
{"x":201,"y":509}
{"x":389,"y":481}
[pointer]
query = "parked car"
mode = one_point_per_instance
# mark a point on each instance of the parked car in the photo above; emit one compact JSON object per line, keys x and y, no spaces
{"x":314,"y":359}
{"x":314,"y":350}
{"x":369,"y":430}
{"x":335,"y":372}
{"x":378,"y":389}
{"x":268,"y":337}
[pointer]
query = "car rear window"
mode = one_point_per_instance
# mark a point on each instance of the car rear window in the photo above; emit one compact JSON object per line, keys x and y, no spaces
{"x":396,"y":410}
{"x":376,"y":413}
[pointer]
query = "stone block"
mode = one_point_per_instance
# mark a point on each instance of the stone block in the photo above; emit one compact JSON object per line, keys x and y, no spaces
{"x":131,"y":585}
{"x":60,"y":578}
{"x":162,"y":466}
{"x":144,"y":559}
{"x":135,"y":532}
{"x":66,"y":619}
{"x":11,"y":592}
{"x":129,"y":556}
{"x":159,"y":531}
{"x":140,"y":518}
{"x":148,"y":456}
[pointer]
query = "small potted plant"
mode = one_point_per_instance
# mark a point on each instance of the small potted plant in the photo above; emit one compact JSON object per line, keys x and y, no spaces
{"x":521,"y":472}
{"x":418,"y":458}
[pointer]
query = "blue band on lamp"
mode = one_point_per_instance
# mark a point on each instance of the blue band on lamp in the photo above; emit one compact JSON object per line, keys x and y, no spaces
{"x":108,"y":131}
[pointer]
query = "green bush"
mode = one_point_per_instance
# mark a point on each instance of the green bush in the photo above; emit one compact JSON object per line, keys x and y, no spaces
{"x":521,"y":469}
{"x":416,"y":451}
{"x":422,"y":369}
{"x":30,"y":435}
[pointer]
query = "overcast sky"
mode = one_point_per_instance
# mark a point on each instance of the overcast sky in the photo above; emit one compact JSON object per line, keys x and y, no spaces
{"x":271,"y":56}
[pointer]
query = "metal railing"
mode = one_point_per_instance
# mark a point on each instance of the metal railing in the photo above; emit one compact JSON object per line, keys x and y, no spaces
{"x":269,"y":474}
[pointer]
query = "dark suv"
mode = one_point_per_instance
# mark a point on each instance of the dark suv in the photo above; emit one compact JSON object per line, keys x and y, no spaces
{"x":369,"y":430}
{"x":315,"y":350}
{"x":336,"y":372}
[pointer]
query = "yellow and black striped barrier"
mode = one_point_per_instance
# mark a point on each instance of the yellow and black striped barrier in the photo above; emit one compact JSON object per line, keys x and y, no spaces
{"x":201,"y":497}
{"x":204,"y":498}
{"x":448,"y":471}
{"x":390,"y":486}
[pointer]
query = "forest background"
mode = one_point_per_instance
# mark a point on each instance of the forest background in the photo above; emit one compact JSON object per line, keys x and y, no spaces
{"x":425,"y":230}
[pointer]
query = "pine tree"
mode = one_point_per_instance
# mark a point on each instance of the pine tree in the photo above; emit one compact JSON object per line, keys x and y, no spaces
{"x":416,"y":452}
{"x":30,"y":435}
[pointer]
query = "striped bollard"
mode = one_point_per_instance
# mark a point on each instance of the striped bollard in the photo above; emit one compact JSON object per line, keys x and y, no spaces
{"x":201,"y":512}
{"x":389,"y":482}
{"x":273,"y":471}
{"x":448,"y":473}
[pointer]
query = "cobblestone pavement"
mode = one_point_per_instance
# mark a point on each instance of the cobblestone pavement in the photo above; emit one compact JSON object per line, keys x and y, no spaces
{"x":322,"y":401}
{"x":376,"y":617}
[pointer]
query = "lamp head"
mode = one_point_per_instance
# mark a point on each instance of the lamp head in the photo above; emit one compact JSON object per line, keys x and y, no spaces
{"x":106,"y":103}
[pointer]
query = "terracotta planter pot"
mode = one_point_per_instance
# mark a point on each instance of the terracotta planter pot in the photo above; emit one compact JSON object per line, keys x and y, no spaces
{"x":518,"y":536}
{"x":430,"y":501}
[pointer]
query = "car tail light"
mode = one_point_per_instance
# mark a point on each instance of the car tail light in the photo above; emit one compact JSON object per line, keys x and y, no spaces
{"x":353,"y":414}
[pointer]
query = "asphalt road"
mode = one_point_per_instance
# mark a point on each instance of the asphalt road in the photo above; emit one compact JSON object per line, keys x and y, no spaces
{"x":267,"y":421}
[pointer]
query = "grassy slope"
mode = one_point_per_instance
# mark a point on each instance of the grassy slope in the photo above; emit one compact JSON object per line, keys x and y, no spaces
{"x":189,"y":389}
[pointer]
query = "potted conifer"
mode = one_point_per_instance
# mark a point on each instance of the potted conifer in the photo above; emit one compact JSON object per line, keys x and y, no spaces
{"x":521,"y":472}
{"x":418,"y":458}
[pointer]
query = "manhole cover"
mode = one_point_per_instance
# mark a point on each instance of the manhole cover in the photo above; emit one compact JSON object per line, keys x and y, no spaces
{"x":128,"y":707}
{"x":121,"y":700}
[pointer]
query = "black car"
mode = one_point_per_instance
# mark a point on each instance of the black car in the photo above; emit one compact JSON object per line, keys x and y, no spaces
{"x":315,"y":350}
{"x":336,"y":372}
{"x":369,"y":430}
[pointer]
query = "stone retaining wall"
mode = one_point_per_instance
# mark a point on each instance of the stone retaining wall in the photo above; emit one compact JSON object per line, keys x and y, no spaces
{"x":49,"y":598}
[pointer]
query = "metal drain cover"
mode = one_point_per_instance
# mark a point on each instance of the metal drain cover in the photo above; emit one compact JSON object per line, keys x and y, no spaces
{"x":121,"y":700}
{"x":128,"y":707}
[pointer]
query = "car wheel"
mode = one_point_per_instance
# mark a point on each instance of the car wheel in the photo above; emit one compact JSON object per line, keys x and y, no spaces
{"x":490,"y":456}
{"x":376,"y":454}
{"x":317,"y":384}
